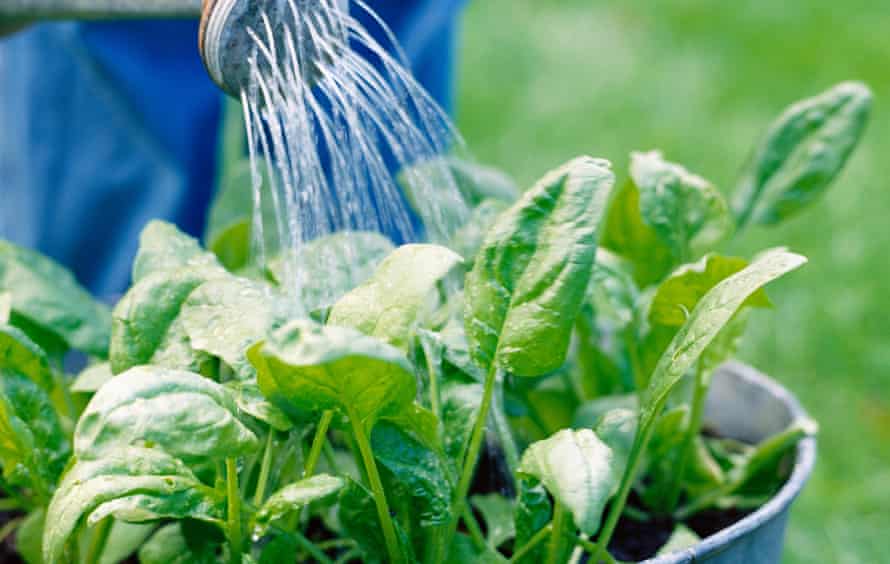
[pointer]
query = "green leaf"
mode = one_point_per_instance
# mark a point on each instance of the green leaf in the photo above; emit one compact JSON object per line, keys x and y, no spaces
{"x":498,"y":512}
{"x":629,"y":236}
{"x":678,"y":295}
{"x":464,"y":551}
{"x":533,"y":513}
{"x":124,"y":540}
{"x":163,"y":247}
{"x":388,"y":305}
{"x":460,"y":403}
{"x":170,"y":546}
{"x":29,"y":537}
{"x":250,"y":400}
{"x":529,"y":280}
{"x":229,"y":220}
{"x":418,"y":467}
{"x":686,"y":212}
{"x":708,"y":318}
{"x":802,"y":153}
{"x":226,"y":316}
{"x":329,"y":267}
{"x":617,"y":429}
{"x":469,"y":238}
{"x":47,"y":296}
{"x":578,"y":469}
{"x":185,"y":414}
{"x":33,"y":447}
{"x":146,"y":327}
{"x":294,"y":497}
{"x":308,"y":367}
{"x":19,"y":354}
{"x":92,"y":378}
{"x":134,"y":484}
{"x":763,"y":472}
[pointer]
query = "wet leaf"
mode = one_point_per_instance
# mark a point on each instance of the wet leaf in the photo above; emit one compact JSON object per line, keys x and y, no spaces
{"x":498,"y":512}
{"x":389,"y":304}
{"x":307,"y":367}
{"x":163,"y":247}
{"x":5,"y":307}
{"x":295,"y":496}
{"x":134,"y":484}
{"x":802,"y":153}
{"x":533,"y":513}
{"x":531,"y":275}
{"x":47,"y":296}
{"x":579,"y":470}
{"x":709,"y":317}
{"x":183,"y":413}
{"x":357,"y":514}
{"x":469,"y":238}
{"x":250,"y":400}
{"x":19,"y":354}
{"x":92,"y":378}
{"x":170,"y":546}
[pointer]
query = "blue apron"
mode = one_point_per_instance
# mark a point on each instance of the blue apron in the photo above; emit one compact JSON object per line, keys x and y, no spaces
{"x":104,"y":126}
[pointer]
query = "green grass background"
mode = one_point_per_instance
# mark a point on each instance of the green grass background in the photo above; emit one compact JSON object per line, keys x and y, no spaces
{"x":545,"y":80}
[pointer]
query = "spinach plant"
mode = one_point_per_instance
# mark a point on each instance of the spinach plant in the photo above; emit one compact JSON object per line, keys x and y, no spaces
{"x":510,"y":400}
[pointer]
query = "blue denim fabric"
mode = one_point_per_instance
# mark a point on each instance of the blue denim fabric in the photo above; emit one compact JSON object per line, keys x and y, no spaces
{"x":104,"y":126}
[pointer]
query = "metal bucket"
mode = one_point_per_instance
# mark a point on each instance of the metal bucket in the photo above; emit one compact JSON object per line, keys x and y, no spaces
{"x":744,"y":404}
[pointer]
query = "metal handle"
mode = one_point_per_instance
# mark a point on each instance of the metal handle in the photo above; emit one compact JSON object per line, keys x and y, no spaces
{"x":98,"y":9}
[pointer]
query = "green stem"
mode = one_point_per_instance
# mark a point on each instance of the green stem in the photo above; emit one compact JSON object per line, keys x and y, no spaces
{"x":556,"y":538}
{"x":469,"y":467}
{"x":502,"y":428}
{"x":532,"y":543}
{"x":234,"y":504}
{"x":695,"y":424}
{"x":321,"y":434}
{"x":349,"y":556}
{"x":260,"y":494}
{"x":330,"y":457}
{"x":99,"y":540}
{"x":473,"y":528}
{"x":10,"y":528}
{"x":389,"y":529}
{"x":633,"y":466}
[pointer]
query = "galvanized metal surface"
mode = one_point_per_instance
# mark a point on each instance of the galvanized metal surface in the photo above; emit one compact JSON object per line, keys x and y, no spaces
{"x":746,"y":405}
{"x":97,"y":9}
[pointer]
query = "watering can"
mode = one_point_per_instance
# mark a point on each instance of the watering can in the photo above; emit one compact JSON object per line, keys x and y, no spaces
{"x":223,"y":39}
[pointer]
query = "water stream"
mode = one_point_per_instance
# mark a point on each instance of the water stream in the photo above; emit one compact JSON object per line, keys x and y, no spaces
{"x":324,"y":150}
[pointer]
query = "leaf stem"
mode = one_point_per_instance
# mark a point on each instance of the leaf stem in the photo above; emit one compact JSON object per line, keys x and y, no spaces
{"x":470,"y":460}
{"x":234,"y":517}
{"x":474,"y":529}
{"x":364,"y":446}
{"x":318,"y":441}
{"x":314,"y":551}
{"x":556,"y":538}
{"x":260,"y":494}
{"x":695,"y":423}
{"x":10,"y":528}
{"x":433,"y":375}
{"x":532,"y":543}
{"x":99,"y":540}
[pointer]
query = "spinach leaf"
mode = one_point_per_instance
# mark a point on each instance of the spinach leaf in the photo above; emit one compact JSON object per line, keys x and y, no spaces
{"x":418,"y":467}
{"x":464,"y":551}
{"x":225,"y":316}
{"x":294,"y":497}
{"x":33,"y":447}
{"x":134,"y":484}
{"x":498,"y":512}
{"x":5,"y":307}
{"x":185,"y":414}
{"x":18,"y":353}
{"x":29,"y":537}
{"x":579,"y":470}
{"x":530,"y":277}
{"x":590,"y":413}
{"x":388,"y":305}
{"x":711,"y":314}
{"x":687,"y":213}
{"x":146,"y":328}
{"x":802,"y":153}
{"x":310,"y":367}
{"x":358,"y":517}
{"x":329,"y":267}
{"x":92,"y":378}
{"x":48,"y":297}
{"x":163,"y":247}
{"x":460,"y":404}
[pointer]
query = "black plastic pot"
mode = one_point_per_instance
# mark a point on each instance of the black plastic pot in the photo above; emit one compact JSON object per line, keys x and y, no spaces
{"x":744,"y":404}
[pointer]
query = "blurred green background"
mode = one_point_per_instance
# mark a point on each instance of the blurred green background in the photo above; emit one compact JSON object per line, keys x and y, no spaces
{"x":545,"y":80}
